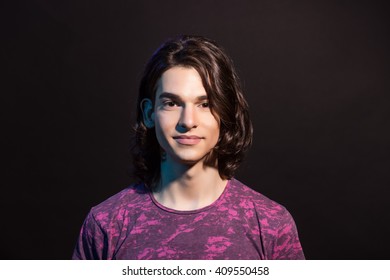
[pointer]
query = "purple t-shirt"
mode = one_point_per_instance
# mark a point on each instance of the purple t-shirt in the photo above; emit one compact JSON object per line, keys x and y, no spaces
{"x":240,"y":224}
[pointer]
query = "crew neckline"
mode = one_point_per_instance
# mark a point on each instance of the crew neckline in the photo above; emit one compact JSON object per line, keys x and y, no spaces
{"x":195,"y":211}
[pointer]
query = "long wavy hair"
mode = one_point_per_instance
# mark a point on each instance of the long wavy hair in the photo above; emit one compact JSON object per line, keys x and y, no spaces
{"x":226,"y":102}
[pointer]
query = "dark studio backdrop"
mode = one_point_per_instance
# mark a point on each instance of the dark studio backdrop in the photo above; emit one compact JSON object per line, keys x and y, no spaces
{"x":315,"y":73}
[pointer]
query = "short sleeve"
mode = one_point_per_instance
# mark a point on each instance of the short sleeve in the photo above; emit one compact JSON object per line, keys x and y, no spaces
{"x":287,"y":245}
{"x":90,"y":244}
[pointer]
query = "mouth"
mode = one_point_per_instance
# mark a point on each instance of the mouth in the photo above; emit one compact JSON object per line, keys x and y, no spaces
{"x":188,"y":139}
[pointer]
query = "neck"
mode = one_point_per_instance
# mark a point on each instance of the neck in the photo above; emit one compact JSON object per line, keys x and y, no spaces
{"x":188,"y":187}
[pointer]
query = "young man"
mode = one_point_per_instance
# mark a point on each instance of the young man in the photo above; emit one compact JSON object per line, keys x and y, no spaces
{"x":192,"y":131}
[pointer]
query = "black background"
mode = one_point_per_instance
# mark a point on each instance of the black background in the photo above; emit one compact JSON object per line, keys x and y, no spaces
{"x":315,"y":74}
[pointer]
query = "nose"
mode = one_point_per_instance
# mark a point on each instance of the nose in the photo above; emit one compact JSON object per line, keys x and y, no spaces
{"x":188,"y":118}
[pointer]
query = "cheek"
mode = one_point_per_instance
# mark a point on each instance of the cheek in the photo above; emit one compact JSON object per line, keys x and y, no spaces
{"x":214,"y":129}
{"x":160,"y":132}
{"x":164,"y":123}
{"x":164,"y":127}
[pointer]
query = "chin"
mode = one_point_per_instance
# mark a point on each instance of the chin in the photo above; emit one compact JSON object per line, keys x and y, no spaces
{"x":189,"y":160}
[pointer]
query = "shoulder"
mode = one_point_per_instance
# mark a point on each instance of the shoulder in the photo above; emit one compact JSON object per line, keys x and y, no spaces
{"x":276,"y":225}
{"x":107,"y":223}
{"x":132,"y":199}
{"x":247,"y":195}
{"x":267,"y":210}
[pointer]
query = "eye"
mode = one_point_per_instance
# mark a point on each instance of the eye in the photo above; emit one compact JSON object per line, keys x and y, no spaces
{"x":169,"y":103}
{"x":205,"y":105}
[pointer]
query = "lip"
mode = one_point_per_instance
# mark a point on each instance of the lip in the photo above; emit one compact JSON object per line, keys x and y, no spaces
{"x":188,"y":139}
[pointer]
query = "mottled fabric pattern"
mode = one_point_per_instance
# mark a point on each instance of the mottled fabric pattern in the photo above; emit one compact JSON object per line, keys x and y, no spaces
{"x":240,"y":224}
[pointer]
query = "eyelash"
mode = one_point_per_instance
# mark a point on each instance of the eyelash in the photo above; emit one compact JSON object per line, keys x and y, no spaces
{"x":171,"y":103}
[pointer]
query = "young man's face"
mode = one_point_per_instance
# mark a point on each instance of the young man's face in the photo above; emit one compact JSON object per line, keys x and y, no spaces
{"x":185,"y":127}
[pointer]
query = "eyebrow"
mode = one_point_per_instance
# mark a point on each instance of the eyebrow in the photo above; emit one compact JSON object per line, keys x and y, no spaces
{"x":177,"y":97}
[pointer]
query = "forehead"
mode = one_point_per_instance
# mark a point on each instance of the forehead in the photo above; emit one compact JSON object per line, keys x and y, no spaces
{"x":182,"y":81}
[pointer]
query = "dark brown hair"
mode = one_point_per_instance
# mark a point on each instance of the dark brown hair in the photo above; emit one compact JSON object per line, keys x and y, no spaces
{"x":225,"y":98}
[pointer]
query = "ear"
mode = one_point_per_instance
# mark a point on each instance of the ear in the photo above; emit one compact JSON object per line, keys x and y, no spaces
{"x":147,"y":112}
